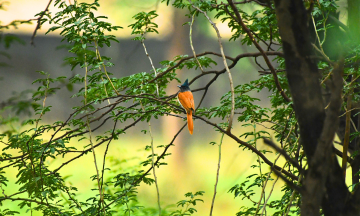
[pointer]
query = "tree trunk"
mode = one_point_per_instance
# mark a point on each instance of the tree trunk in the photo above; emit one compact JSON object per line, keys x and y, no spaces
{"x":324,"y":186}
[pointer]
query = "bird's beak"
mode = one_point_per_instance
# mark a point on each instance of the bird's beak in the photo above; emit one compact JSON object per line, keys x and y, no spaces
{"x":179,"y":86}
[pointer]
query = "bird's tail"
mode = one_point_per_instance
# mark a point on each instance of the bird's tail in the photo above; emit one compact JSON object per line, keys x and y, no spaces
{"x":190,"y":122}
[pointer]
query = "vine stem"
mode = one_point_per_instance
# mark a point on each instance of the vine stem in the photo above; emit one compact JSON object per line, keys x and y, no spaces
{"x":317,"y":36}
{"x":151,"y":62}
{"x":226,"y":67}
{"x":272,"y":188}
{"x":107,"y":95}
{"x":30,"y":151}
{"x":191,"y":43}
{"x":263,"y":183}
{"x":92,"y":145}
{"x":217,"y":175}
{"x":102,"y":79}
{"x":153,"y":163}
{"x":151,"y":135}
{"x":107,"y":76}
{"x":267,"y":178}
{"x":292,"y":198}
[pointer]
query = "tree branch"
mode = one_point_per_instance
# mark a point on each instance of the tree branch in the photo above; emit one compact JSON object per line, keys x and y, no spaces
{"x":39,"y":22}
{"x":268,"y":63}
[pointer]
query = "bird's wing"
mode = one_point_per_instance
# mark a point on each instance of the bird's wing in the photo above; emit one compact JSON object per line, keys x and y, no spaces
{"x":187,"y":100}
{"x":192,"y":103}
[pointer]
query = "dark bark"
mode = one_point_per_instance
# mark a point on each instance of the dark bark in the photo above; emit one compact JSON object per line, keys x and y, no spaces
{"x":302,"y":72}
{"x":324,"y":186}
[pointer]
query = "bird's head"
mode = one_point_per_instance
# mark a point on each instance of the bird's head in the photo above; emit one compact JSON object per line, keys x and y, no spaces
{"x":184,"y":85}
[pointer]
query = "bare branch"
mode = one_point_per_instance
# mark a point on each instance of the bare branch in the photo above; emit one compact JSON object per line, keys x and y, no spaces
{"x":217,"y":175}
{"x":283,"y":153}
{"x":39,"y":23}
{"x":226,"y":66}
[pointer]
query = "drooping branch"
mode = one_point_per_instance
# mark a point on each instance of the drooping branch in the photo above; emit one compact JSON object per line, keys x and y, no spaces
{"x":252,"y":148}
{"x":263,"y":53}
{"x":283,"y":153}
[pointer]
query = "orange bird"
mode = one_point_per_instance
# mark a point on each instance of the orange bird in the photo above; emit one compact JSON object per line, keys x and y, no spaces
{"x":186,"y":100}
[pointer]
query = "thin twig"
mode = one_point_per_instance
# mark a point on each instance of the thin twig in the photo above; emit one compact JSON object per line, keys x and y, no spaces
{"x":106,"y":74}
{"x":30,"y":200}
{"x":317,"y":35}
{"x":292,"y":197}
{"x":263,"y":183}
{"x":217,"y":175}
{"x":36,"y":129}
{"x":151,"y":62}
{"x":90,"y":138}
{"x":191,"y":43}
{"x":104,"y":160}
{"x":272,"y":188}
{"x":325,"y":57}
{"x":258,"y":64}
{"x":39,"y":22}
{"x":287,"y":181}
{"x":68,"y":193}
{"x":151,"y":135}
{"x":343,"y":113}
{"x":3,"y":191}
{"x":153,"y":164}
{"x":266,"y":181}
{"x":282,"y":134}
{"x":283,"y":153}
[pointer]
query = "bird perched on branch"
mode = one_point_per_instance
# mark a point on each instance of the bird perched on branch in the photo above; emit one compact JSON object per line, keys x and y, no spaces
{"x":186,"y":100}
